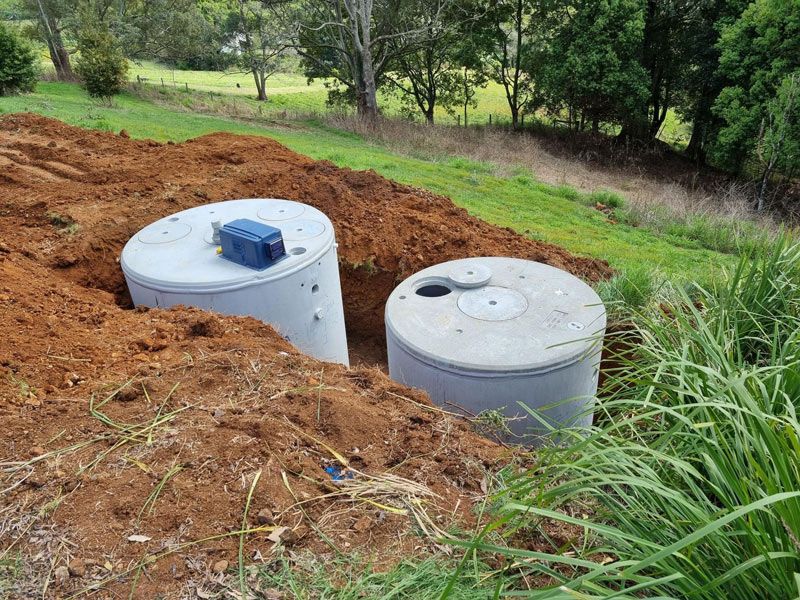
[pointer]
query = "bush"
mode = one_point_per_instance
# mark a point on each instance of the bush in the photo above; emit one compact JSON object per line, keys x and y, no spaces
{"x":102,"y":66}
{"x":18,"y":64}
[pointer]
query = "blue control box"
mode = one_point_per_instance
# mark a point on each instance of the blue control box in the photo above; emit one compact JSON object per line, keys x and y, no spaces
{"x":252,"y":244}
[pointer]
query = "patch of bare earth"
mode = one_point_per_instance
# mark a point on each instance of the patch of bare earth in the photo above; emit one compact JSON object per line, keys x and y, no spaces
{"x":132,"y":439}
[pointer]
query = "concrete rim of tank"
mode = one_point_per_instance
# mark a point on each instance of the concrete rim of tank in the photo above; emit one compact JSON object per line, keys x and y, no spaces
{"x":586,"y":346}
{"x":248,"y":276}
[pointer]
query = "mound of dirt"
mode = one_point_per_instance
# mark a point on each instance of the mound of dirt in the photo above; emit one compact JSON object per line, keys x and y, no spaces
{"x":132,"y":439}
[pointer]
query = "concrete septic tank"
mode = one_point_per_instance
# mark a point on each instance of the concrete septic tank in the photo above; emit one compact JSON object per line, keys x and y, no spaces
{"x":485,"y":334}
{"x":179,"y":260}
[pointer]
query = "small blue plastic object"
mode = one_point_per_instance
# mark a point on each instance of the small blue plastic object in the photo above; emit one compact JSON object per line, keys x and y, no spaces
{"x":337,"y":473}
{"x":251,"y":244}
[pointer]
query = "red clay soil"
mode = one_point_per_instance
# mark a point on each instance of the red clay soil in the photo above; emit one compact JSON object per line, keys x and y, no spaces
{"x":120,"y":423}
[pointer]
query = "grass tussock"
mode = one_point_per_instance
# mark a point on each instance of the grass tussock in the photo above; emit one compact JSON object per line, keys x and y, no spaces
{"x":689,"y":484}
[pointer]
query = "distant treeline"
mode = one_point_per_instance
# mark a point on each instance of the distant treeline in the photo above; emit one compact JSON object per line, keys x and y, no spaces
{"x":730,"y":68}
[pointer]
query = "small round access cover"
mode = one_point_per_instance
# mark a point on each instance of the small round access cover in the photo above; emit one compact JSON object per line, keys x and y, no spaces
{"x":281,"y":211}
{"x":301,"y":229}
{"x":492,"y":303}
{"x":163,"y":232}
{"x":470,"y":275}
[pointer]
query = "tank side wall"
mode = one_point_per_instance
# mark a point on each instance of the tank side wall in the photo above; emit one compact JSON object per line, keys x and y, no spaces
{"x":305,"y":307}
{"x":565,"y":396}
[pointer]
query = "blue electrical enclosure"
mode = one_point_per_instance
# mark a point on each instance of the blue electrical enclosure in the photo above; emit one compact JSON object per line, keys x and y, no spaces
{"x":252,"y":244}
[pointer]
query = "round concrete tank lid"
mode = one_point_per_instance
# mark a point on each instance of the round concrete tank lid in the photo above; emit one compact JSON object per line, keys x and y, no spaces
{"x":525,"y":317}
{"x":178,"y":253}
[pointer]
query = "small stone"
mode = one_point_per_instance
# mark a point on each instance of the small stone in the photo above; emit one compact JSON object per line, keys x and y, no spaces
{"x":61,"y":575}
{"x":77,"y":568}
{"x":265,"y":517}
{"x":37,"y":451}
{"x":220,"y":566}
{"x":289,"y":537}
{"x":363,"y":524}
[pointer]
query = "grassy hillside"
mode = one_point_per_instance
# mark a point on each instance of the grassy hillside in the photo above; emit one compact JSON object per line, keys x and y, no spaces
{"x":556,"y":214}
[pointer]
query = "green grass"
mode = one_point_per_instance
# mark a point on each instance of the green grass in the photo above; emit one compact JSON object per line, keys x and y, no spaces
{"x":292,"y":91}
{"x":689,"y":486}
{"x":560,"y":215}
{"x":305,"y":577}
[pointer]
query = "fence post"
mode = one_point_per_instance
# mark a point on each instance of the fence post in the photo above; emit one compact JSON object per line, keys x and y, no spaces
{"x":490,"y":118}
{"x":187,"y":85}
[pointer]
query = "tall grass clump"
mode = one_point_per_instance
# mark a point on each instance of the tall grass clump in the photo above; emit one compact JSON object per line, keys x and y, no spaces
{"x":630,"y":289}
{"x":689,"y":485}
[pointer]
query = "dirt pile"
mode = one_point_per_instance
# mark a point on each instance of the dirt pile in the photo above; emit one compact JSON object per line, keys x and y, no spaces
{"x":129,"y":436}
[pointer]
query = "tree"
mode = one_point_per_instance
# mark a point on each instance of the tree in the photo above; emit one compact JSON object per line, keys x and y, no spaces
{"x":510,"y":33}
{"x":591,"y":67}
{"x":261,"y":38}
{"x":758,"y":52}
{"x":18,"y":63}
{"x":181,"y":33}
{"x":471,"y":76}
{"x":700,"y":83}
{"x":354,"y":42}
{"x":50,"y":16}
{"x":778,"y":146}
{"x":102,"y":65}
{"x":429,"y":72}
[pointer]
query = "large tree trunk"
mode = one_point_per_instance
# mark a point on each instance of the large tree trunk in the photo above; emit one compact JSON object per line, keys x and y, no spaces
{"x":55,"y":45}
{"x":60,"y":57}
{"x":696,"y":149}
{"x":701,"y":123}
{"x":370,"y":106}
{"x":261,"y":85}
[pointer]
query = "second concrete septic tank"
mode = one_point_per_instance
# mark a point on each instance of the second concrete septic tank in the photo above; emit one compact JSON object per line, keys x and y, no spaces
{"x":271,"y":259}
{"x":486,"y":334}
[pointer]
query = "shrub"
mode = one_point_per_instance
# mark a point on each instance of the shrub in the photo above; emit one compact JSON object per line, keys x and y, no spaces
{"x":18,"y":64}
{"x":102,"y":66}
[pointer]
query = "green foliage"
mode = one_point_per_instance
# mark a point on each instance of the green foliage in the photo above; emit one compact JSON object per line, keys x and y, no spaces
{"x":305,"y":577}
{"x":18,"y":63}
{"x":758,"y":52}
{"x":591,"y":69}
{"x":180,"y":33}
{"x":629,"y":290}
{"x":102,"y":66}
{"x":607,"y":198}
{"x":690,"y":483}
{"x":510,"y":34}
{"x":263,"y":38}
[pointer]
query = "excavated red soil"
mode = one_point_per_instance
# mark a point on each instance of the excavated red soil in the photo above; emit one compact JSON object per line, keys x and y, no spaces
{"x":121,"y":422}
